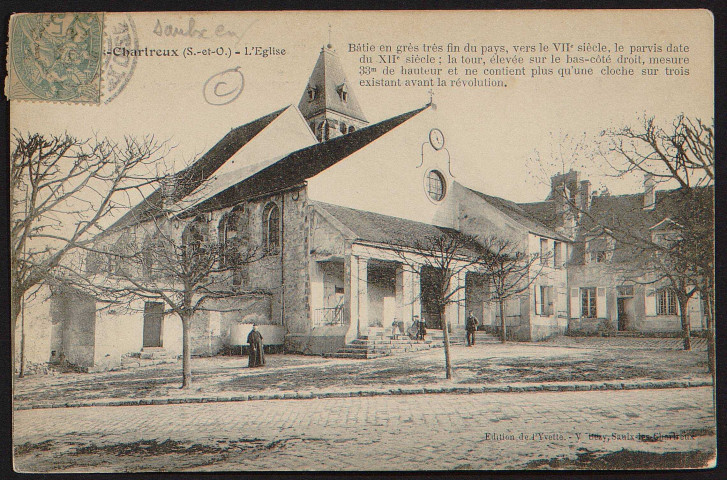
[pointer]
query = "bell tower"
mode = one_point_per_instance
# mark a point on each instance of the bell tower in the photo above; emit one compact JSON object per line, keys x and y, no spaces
{"x":328,"y":102}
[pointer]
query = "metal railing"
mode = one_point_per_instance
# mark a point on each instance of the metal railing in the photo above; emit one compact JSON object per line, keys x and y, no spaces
{"x":328,"y":315}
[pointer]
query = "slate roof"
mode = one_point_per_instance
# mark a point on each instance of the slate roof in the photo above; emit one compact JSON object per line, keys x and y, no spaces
{"x":626,"y":213}
{"x":544,"y":212}
{"x":384,"y":229}
{"x":300,"y":165}
{"x":193,"y":176}
{"x":327,"y":77}
{"x":521,"y":215}
{"x":378,"y":228}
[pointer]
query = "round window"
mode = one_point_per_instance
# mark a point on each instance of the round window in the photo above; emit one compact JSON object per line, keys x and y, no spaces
{"x":435,"y":185}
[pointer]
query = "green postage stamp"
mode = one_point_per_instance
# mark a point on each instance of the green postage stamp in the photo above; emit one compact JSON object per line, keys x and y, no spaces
{"x":55,"y":57}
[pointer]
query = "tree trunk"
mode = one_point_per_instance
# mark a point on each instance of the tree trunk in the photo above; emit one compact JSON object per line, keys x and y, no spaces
{"x":502,"y":321}
{"x":21,"y":373}
{"x":445,"y":339}
{"x":186,"y":354}
{"x":711,"y":360}
{"x":16,"y":305}
{"x":685,"y":323}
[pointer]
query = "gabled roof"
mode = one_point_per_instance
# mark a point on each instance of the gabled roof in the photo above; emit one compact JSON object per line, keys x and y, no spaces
{"x":326,"y":80}
{"x":520,"y":215}
{"x":189,"y":179}
{"x":387,"y":230}
{"x":301,"y":165}
{"x":626,"y":213}
{"x":378,"y":228}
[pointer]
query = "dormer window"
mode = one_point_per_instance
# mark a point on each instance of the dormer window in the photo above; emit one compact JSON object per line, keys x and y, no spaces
{"x":343,"y":92}
{"x":312,"y":93}
{"x":599,"y":249}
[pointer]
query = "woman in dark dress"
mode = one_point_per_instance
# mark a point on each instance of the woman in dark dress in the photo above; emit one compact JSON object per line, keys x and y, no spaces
{"x":257,"y":355}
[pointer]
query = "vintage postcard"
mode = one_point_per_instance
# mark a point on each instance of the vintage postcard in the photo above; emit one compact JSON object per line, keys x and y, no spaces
{"x":402,"y":240}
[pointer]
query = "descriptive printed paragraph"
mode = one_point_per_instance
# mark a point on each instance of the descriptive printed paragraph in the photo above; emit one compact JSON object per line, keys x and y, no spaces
{"x":463,"y":65}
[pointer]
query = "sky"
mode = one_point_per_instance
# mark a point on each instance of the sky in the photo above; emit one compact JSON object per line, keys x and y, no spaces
{"x":492,"y":133}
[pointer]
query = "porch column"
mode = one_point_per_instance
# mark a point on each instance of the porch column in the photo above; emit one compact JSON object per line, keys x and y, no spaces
{"x":454,"y":311}
{"x":416,"y":294}
{"x":405,"y":295}
{"x":461,"y":304}
{"x":350,"y":294}
{"x":362,"y":264}
{"x":399,"y":294}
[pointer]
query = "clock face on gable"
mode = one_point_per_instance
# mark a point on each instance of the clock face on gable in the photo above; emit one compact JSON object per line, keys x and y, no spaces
{"x":436,"y":138}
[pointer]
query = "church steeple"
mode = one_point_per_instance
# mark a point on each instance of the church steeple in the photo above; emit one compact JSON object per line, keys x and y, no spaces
{"x":328,"y":102}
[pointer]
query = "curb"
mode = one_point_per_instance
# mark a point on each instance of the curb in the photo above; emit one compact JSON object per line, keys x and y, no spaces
{"x":451,"y":389}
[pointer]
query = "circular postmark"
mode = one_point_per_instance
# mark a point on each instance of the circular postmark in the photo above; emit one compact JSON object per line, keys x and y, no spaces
{"x":57,"y":56}
{"x":118,"y":66}
{"x":224,"y":87}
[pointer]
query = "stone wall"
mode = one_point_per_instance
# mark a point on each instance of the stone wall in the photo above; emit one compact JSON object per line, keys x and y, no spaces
{"x":296,"y":215}
{"x":79,"y":328}
{"x":42,"y":329}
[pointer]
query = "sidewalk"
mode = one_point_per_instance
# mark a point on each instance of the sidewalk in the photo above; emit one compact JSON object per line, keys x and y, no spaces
{"x":559,"y":365}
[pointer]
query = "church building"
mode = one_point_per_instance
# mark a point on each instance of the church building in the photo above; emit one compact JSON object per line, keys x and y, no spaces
{"x":291,"y":183}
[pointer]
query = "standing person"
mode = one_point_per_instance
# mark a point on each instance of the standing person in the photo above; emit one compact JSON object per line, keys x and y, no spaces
{"x":471,"y":327}
{"x":255,"y":340}
{"x":421,"y":329}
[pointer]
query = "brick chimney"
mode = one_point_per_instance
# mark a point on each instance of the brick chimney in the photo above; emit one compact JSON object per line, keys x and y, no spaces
{"x":585,"y":195}
{"x":649,"y":191}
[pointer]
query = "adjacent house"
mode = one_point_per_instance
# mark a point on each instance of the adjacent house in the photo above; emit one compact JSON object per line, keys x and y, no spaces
{"x":611,"y":285}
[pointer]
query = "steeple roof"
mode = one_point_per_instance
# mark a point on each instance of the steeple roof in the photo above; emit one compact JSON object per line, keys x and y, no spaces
{"x":330,"y":89}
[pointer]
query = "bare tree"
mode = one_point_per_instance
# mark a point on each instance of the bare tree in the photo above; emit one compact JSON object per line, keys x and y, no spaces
{"x":446,"y":256}
{"x":62,"y":190}
{"x":509,"y":271}
{"x":681,"y":155}
{"x":185,"y":272}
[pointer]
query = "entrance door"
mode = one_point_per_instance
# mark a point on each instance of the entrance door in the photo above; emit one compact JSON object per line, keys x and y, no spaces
{"x":430,"y":311}
{"x":153,"y":318}
{"x":624,"y":317}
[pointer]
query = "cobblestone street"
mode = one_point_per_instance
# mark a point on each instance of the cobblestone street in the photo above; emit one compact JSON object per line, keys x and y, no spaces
{"x":477,"y":431}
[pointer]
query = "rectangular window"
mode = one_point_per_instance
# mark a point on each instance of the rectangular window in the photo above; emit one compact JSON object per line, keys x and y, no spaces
{"x":666,"y":302}
{"x":625,"y":291}
{"x":544,"y":300}
{"x":543,"y":251}
{"x":588,"y":302}
{"x":557,"y":255}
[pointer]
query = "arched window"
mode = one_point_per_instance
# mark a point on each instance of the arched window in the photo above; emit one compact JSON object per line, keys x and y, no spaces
{"x":271,"y":229}
{"x":344,"y":129}
{"x":94,"y":263}
{"x":150,"y":250}
{"x":351,"y":129}
{"x":231,"y":235}
{"x":194,"y":237}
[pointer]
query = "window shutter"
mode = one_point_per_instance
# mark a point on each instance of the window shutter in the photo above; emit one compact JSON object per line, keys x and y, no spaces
{"x":650,"y":302}
{"x":575,"y":303}
{"x":551,"y":302}
{"x":601,"y":302}
{"x":536,"y":296}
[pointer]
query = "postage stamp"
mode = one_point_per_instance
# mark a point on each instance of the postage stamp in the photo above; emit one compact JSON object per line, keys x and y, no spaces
{"x":56,"y":57}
